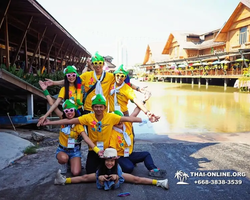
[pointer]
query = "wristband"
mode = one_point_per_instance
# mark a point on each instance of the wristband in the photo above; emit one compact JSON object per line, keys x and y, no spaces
{"x":46,"y":92}
{"x":144,"y":102}
{"x":137,"y":89}
{"x":96,"y":149}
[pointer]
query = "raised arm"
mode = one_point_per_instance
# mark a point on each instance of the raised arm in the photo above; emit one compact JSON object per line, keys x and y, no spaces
{"x":141,"y":105}
{"x":51,"y":101}
{"x":59,"y":122}
{"x":53,"y":107}
{"x":131,"y":119}
{"x":50,"y":82}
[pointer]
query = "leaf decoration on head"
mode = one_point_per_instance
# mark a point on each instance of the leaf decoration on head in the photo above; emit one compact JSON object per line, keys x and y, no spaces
{"x":97,"y":57}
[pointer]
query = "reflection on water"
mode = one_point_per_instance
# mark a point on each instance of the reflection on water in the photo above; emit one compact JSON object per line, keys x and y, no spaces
{"x":184,"y":109}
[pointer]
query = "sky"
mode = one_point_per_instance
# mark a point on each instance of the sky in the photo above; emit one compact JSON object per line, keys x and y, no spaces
{"x":99,"y":24}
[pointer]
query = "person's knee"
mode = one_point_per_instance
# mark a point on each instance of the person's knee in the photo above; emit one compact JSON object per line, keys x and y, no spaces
{"x":137,"y":179}
{"x":62,"y":159}
{"x":75,"y":172}
{"x":128,"y":169}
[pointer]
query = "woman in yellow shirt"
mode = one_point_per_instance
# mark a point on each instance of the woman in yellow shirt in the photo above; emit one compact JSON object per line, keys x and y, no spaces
{"x":72,"y":90}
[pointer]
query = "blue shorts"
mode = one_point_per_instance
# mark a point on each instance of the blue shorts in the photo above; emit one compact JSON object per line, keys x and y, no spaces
{"x":72,"y":153}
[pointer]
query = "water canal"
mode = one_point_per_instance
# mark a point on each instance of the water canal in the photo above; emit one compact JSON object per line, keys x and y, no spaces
{"x":184,"y":109}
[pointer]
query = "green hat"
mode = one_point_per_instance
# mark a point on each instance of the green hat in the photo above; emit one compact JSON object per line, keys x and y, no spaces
{"x":98,"y":100}
{"x":70,"y":69}
{"x":69,"y":103}
{"x":97,"y":57}
{"x":121,"y":70}
{"x":118,"y":112}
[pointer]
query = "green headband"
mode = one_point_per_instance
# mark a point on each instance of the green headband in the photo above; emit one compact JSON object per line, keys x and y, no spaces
{"x":121,"y":70}
{"x":70,"y":69}
{"x":118,"y":112}
{"x":98,"y":100}
{"x":69,"y":103}
{"x":97,"y":57}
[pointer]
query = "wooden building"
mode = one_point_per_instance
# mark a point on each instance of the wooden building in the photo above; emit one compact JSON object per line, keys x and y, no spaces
{"x":222,"y":53}
{"x":30,"y":36}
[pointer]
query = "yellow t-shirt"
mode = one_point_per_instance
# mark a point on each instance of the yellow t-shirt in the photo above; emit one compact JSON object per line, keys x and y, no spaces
{"x":125,"y":94}
{"x":88,"y":80}
{"x":72,"y":94}
{"x":117,"y":140}
{"x":100,"y":131}
{"x":74,"y":133}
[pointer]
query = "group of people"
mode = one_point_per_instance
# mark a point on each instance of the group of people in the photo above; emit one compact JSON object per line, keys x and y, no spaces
{"x":98,"y":100}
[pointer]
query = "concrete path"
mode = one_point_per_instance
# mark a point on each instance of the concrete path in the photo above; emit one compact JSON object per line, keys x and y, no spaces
{"x":32,"y":176}
{"x":12,"y":147}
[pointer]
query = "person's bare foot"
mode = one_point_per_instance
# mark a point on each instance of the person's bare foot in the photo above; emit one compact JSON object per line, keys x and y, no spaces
{"x":42,"y":85}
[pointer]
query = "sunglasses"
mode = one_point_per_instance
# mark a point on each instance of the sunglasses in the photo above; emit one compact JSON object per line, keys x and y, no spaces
{"x":97,"y":63}
{"x":70,"y":110}
{"x":71,"y":75}
{"x":120,"y":75}
{"x":99,"y":128}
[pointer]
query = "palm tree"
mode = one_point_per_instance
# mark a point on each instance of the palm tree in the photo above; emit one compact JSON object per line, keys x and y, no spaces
{"x":181,"y":176}
{"x":178,"y":174}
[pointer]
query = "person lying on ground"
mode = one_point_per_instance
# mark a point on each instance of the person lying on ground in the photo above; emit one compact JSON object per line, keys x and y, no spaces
{"x":109,"y":175}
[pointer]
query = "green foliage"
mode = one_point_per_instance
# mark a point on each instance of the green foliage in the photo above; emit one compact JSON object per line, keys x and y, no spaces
{"x":33,"y":79}
{"x":30,"y":150}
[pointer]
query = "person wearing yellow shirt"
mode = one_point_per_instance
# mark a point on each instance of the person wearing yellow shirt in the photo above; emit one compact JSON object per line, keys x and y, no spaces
{"x":71,"y":90}
{"x":100,"y":125}
{"x":122,"y":139}
{"x":94,"y":82}
{"x":69,"y":149}
{"x":121,"y":93}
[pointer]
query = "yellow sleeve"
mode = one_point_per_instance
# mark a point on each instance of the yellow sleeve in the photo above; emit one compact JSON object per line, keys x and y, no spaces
{"x":79,"y":128}
{"x":130,"y":93}
{"x":62,"y":93}
{"x":83,"y":119}
{"x":115,"y":118}
{"x":83,"y":78}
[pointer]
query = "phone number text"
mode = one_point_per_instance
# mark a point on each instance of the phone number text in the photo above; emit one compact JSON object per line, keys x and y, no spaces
{"x":218,"y":182}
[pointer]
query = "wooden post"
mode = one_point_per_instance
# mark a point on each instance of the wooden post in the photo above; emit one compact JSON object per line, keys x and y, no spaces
{"x":48,"y":53}
{"x":21,"y":42}
{"x":7,"y":43}
{"x":225,"y":84}
{"x":5,"y":13}
{"x":206,"y":83}
{"x":25,"y":55}
{"x":37,"y":46}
